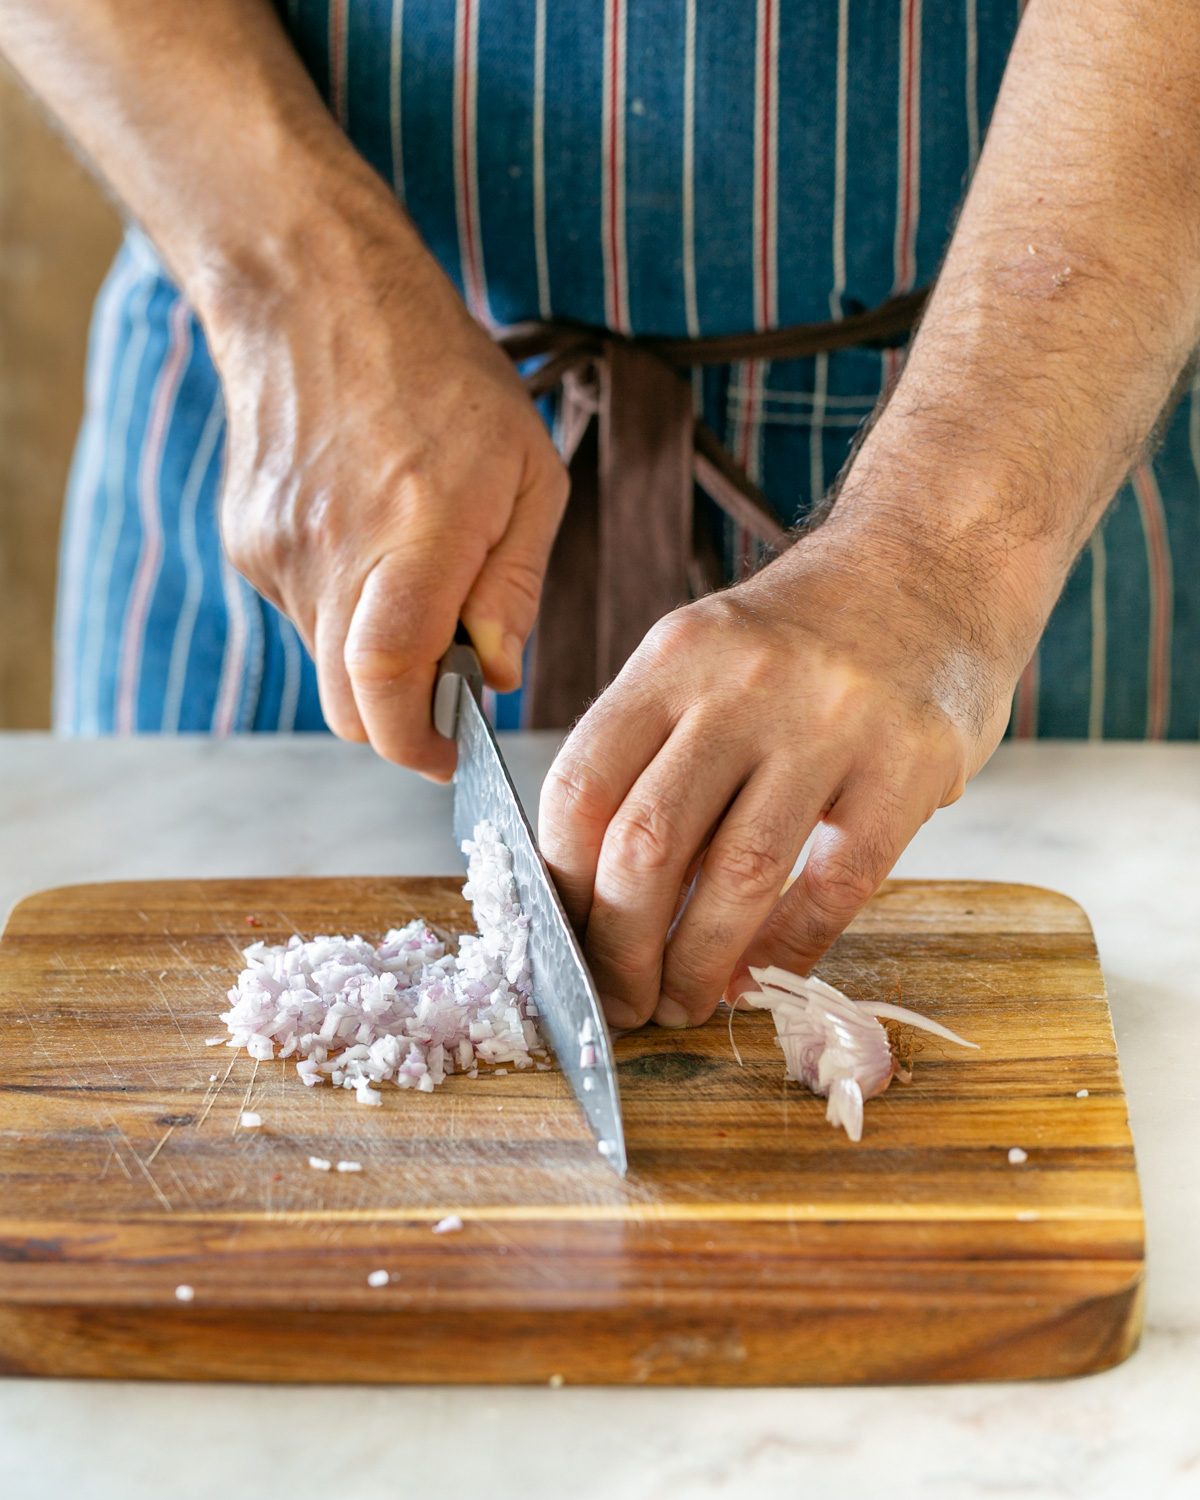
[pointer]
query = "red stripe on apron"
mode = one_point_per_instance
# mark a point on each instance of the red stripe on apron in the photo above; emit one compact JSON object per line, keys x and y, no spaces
{"x":1162,"y":589}
{"x":616,"y":308}
{"x":907,"y":187}
{"x":1025,"y":713}
{"x":162,"y":404}
{"x":337,"y":60}
{"x":466,"y":159}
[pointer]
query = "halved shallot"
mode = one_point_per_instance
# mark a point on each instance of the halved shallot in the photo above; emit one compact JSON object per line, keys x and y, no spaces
{"x":833,"y":1045}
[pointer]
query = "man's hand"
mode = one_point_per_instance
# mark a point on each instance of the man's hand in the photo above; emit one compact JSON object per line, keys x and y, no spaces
{"x":386,"y":475}
{"x":385,"y":472}
{"x":848,"y":688}
{"x":859,"y":681}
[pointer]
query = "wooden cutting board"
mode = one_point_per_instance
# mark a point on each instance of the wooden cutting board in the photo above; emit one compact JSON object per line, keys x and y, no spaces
{"x":750,"y":1244}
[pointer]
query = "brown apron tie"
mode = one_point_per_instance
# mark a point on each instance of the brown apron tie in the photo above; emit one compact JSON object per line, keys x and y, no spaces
{"x":632,"y":545}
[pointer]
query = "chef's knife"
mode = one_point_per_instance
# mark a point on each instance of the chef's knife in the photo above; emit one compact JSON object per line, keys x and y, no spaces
{"x":569,"y":1013}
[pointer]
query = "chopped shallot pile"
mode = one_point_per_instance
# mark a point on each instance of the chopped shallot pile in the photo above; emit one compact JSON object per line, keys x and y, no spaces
{"x":409,"y":1011}
{"x":833,"y":1045}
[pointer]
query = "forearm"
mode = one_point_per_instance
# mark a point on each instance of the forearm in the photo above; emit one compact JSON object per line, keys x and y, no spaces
{"x":203,"y":123}
{"x":1067,"y":307}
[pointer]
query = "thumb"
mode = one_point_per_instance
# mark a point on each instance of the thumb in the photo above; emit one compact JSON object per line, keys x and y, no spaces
{"x":500,"y":610}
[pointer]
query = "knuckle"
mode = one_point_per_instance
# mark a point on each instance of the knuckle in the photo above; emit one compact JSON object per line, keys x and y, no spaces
{"x":641,"y":841}
{"x":250,"y":549}
{"x":749,"y":869}
{"x":674,"y":634}
{"x":371,"y":665}
{"x":620,"y":971}
{"x":693,"y":981}
{"x":575,"y":792}
{"x":520,"y":581}
{"x":839,"y":885}
{"x":554,"y":479}
{"x":624,"y":972}
{"x":263,"y":530}
{"x":758,"y":669}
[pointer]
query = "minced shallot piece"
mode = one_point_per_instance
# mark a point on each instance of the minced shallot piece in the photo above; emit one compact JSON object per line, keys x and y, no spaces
{"x":833,"y":1045}
{"x":406,"y":1011}
{"x":449,"y":1225}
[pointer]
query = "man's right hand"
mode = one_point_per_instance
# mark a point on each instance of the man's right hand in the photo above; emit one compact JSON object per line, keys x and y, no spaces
{"x":386,"y":475}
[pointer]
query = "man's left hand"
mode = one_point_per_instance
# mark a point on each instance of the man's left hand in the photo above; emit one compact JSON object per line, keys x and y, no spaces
{"x":851,"y":687}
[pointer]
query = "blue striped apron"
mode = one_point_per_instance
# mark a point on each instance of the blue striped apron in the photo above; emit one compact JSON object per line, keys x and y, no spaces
{"x":685,"y":169}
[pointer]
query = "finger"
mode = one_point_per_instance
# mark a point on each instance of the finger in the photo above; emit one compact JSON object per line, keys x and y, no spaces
{"x":402,"y":623}
{"x":854,"y":851}
{"x":591,"y":776}
{"x":668,"y":815}
{"x":744,"y":870}
{"x":333,"y":681}
{"x":688,"y":886}
{"x":502,"y":605}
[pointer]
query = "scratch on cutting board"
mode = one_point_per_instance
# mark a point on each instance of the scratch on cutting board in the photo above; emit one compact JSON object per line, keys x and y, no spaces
{"x":544,"y":1267}
{"x":162,"y":1142}
{"x":246,"y":1099}
{"x":206,"y":980}
{"x":57,"y":1064}
{"x":154,"y":1187}
{"x":145,"y":1170}
{"x":181,"y":1185}
{"x":293,"y":927}
{"x":214,"y":1091}
{"x":238,"y":948}
{"x":101,"y":1056}
{"x":187,"y":1041}
{"x":121,"y":1163}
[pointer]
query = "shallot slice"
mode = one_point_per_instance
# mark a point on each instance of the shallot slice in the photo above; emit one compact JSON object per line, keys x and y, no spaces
{"x":833,"y":1045}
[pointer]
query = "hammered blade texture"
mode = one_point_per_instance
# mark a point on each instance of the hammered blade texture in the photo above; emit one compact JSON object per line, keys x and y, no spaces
{"x":562,"y":986}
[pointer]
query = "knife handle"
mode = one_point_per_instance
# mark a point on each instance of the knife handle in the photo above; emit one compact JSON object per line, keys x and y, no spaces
{"x":460,"y":664}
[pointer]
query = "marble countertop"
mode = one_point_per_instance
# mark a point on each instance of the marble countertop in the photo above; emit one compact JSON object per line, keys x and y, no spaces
{"x":1115,"y":826}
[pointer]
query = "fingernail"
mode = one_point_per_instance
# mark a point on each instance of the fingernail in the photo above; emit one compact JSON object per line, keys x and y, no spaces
{"x":621,"y":1017}
{"x":671,"y":1014}
{"x":487,"y":638}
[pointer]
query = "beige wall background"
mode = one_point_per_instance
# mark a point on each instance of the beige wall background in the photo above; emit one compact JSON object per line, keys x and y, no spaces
{"x":57,"y":237}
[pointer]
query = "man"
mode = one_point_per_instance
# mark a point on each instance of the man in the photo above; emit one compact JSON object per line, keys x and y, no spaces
{"x":699,"y":168}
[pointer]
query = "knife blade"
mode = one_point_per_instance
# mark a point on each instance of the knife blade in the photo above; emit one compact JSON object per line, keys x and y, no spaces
{"x":569,"y":1011}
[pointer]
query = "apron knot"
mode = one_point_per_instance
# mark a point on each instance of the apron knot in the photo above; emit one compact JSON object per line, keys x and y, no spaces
{"x":633,"y":544}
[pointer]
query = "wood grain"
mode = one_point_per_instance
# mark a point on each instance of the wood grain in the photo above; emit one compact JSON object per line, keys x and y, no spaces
{"x":750,"y":1244}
